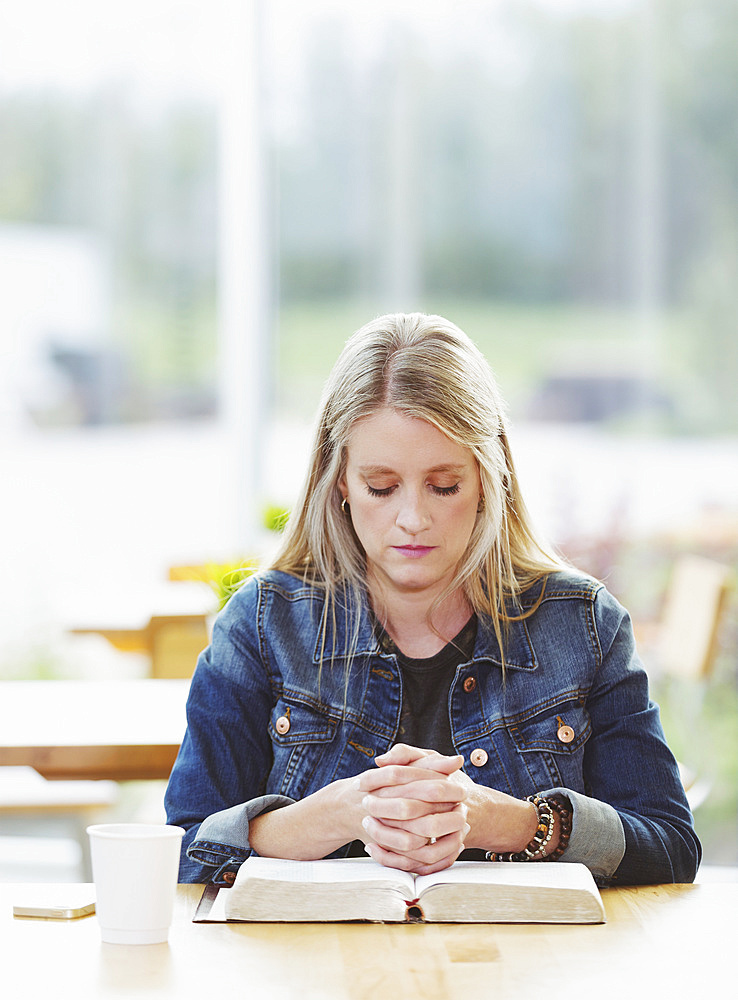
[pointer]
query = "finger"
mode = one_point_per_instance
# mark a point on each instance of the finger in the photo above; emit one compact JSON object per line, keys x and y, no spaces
{"x":437,"y":867}
{"x":432,"y":791}
{"x":402,"y":808}
{"x":439,"y":762}
{"x":391,"y":838}
{"x":392,"y":774}
{"x":402,"y":753}
{"x":398,"y":774}
{"x":401,"y":841}
{"x":390,"y":859}
{"x":435,"y":827}
{"x":435,"y":823}
{"x":422,"y":844}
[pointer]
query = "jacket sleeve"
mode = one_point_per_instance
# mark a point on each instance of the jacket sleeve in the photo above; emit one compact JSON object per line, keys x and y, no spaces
{"x":630,"y":771}
{"x":219,"y":778}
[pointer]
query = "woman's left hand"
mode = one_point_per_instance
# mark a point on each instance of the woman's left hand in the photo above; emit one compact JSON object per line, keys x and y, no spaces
{"x":417,"y":795}
{"x":416,"y":809}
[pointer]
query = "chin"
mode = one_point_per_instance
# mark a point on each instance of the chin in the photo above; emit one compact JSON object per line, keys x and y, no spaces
{"x":414,"y":584}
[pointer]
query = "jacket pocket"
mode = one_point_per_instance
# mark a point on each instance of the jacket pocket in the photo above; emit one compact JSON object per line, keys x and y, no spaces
{"x":551,"y":744}
{"x":301,"y":737}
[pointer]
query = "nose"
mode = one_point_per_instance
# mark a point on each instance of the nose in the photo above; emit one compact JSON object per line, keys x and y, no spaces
{"x":412,"y":514}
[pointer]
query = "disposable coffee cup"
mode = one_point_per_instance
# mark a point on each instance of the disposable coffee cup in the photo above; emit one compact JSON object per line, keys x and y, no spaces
{"x":135,"y":868}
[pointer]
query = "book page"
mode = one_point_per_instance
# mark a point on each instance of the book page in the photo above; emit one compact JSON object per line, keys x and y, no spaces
{"x":331,"y":870}
{"x":275,"y":889}
{"x":528,"y":874}
{"x":512,"y":892}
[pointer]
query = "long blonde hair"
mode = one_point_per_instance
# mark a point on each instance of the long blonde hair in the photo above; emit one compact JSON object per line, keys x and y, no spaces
{"x":425,"y":367}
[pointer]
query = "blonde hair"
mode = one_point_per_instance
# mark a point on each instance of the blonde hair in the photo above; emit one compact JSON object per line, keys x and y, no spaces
{"x":425,"y":367}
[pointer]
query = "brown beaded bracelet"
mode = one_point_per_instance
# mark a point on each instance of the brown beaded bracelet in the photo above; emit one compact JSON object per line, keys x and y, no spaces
{"x":544,"y":831}
{"x":564,"y":828}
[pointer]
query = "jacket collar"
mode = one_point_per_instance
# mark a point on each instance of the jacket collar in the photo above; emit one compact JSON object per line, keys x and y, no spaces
{"x":519,"y":652}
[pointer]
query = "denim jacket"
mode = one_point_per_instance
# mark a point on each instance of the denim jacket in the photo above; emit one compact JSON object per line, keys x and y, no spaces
{"x":272,"y":718}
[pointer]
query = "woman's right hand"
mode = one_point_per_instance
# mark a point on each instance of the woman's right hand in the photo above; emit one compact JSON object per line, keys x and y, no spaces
{"x":416,"y":813}
{"x":312,"y":827}
{"x":396,"y":809}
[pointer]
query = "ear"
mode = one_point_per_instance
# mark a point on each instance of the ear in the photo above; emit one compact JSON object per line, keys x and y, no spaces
{"x":343,"y":488}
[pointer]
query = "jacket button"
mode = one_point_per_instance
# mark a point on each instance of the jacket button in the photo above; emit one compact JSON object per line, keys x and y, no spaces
{"x":469,"y":684}
{"x":282,"y":725}
{"x":229,"y":877}
{"x":478,"y":757}
{"x":565,"y":734}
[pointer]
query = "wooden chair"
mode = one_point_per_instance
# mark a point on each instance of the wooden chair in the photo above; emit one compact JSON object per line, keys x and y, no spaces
{"x":687,"y":634}
{"x":172,"y":642}
{"x":682,"y":649}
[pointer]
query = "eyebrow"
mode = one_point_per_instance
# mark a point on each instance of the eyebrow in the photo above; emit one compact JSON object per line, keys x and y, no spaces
{"x":383,"y":470}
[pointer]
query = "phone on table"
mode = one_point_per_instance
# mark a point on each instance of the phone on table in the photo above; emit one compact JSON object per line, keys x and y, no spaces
{"x":62,"y":908}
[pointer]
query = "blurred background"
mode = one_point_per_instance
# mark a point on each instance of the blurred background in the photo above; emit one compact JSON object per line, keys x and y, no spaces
{"x":200,"y":203}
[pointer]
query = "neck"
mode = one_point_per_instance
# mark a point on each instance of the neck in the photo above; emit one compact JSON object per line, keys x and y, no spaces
{"x":407,"y":620}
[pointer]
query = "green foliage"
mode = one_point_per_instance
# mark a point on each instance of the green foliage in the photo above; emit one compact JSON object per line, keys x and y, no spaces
{"x":226,"y":578}
{"x":223,"y":578}
{"x":275,"y":517}
{"x":37,"y":660}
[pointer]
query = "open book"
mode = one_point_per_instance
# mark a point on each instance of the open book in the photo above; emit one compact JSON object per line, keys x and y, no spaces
{"x":268,"y":889}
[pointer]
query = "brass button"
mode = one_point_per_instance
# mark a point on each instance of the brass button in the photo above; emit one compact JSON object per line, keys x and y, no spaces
{"x":469,"y":684}
{"x":229,"y":877}
{"x":565,"y":734}
{"x":478,"y":757}
{"x":282,"y":725}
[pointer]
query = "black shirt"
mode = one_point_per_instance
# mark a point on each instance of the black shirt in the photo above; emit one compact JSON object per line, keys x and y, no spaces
{"x":424,"y":718}
{"x":426,"y":682}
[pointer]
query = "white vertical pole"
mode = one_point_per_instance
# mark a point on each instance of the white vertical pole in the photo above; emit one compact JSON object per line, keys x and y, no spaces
{"x":649,"y":213}
{"x":401,"y":252}
{"x":243,"y":298}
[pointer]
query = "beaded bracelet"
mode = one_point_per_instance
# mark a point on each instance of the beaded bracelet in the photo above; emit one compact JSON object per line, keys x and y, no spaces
{"x":544,"y":833}
{"x":564,"y":828}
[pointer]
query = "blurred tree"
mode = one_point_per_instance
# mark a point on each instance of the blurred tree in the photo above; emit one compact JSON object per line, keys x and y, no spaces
{"x":587,"y":159}
{"x":701,"y":136}
{"x":146,"y":184}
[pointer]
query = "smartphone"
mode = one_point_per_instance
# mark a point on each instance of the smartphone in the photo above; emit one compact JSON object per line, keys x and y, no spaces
{"x":61,"y":910}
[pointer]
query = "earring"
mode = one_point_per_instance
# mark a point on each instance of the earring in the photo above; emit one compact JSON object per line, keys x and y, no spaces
{"x":482,"y":503}
{"x":345,"y":507}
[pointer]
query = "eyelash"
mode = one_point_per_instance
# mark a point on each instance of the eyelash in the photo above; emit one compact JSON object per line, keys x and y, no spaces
{"x":441,"y":491}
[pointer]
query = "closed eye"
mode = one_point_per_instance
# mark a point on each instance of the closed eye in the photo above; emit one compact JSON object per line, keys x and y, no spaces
{"x":379,"y":493}
{"x":441,"y":491}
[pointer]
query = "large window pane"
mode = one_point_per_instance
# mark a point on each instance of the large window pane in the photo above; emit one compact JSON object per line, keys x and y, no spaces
{"x":199,"y":203}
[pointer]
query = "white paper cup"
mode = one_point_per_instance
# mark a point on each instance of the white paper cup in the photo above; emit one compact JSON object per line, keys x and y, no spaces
{"x":135,"y":868}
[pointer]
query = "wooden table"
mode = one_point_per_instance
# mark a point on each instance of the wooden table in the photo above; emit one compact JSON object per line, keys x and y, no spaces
{"x":659,"y":941}
{"x":117,"y":730}
{"x":172,"y":642}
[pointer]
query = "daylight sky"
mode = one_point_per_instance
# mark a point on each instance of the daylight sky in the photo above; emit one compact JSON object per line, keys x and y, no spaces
{"x":182,"y":45}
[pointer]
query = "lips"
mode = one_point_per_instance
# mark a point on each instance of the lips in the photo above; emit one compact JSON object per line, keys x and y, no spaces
{"x":414,"y":551}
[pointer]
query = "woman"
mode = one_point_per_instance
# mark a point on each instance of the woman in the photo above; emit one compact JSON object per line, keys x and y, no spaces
{"x":416,"y":676}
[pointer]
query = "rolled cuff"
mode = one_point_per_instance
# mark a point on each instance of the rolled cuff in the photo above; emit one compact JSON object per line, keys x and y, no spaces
{"x":222,"y":840}
{"x":597,"y":836}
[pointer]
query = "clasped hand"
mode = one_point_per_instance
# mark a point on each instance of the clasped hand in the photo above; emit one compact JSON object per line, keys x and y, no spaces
{"x":416,"y":816}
